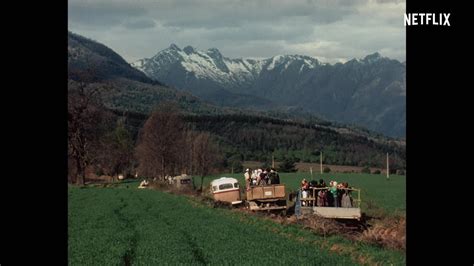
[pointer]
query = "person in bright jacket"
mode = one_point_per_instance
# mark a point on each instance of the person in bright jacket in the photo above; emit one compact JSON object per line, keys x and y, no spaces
{"x":334,"y":191}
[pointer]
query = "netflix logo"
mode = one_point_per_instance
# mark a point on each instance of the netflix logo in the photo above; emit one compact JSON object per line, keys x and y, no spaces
{"x":415,"y":19}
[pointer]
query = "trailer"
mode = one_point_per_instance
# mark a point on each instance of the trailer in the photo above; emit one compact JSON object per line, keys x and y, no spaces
{"x":182,"y":182}
{"x":308,"y":205}
{"x":266,"y":198}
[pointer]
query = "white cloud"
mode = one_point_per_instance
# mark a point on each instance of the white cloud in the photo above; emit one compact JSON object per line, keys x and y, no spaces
{"x":330,"y":30}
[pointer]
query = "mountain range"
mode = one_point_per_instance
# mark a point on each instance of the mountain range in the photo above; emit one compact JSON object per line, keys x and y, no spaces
{"x":368,"y":92}
{"x":241,"y":133}
{"x":93,"y":61}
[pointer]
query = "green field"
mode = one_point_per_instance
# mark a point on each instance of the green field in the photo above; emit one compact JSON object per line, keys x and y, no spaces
{"x":124,"y":225}
{"x":377,"y":193}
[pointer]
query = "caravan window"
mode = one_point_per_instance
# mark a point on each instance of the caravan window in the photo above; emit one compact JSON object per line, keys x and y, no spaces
{"x":185,"y":181}
{"x":214,"y":188}
{"x":236,"y":185}
{"x":225,"y":186}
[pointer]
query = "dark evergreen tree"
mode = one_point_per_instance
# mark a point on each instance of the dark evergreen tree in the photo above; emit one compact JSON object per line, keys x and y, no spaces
{"x":287,"y":166}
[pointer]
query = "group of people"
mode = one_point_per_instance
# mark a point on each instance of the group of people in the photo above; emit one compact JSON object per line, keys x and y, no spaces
{"x":260,"y":177}
{"x":334,"y":195}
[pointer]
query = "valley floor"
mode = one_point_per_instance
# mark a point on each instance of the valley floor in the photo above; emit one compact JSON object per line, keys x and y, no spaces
{"x":126,"y":225}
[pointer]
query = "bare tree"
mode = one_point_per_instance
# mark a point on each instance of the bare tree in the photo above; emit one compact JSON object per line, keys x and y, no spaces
{"x":115,"y":153}
{"x":161,"y":143}
{"x":205,"y":155}
{"x":85,"y":115}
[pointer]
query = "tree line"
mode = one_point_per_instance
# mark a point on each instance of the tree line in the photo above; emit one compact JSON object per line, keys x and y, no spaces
{"x":244,"y":137}
{"x":258,"y":139}
{"x":168,"y":142}
{"x":100,"y":141}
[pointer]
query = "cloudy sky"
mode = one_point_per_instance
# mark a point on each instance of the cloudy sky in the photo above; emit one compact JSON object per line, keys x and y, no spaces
{"x":330,"y":30}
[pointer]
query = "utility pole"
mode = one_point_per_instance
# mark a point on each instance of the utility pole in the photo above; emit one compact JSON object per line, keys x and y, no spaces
{"x":273,"y":161}
{"x":191,"y":161}
{"x":388,"y":169}
{"x":321,"y":161}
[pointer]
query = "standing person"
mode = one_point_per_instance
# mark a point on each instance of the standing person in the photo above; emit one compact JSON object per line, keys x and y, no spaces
{"x":267,"y":177}
{"x":330,"y":199}
{"x":271,"y":177}
{"x":248,"y":178}
{"x":274,"y":177}
{"x":304,"y":184}
{"x":346,"y":201}
{"x":263,"y":178}
{"x":254,"y":177}
{"x":322,"y":199}
{"x":322,"y":183}
{"x":304,"y":191}
{"x":339,"y":193}
{"x":334,"y":193}
{"x":259,"y":173}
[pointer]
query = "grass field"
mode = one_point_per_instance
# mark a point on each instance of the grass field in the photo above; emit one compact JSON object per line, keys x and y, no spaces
{"x":305,"y":167}
{"x":124,"y":225}
{"x":377,"y":193}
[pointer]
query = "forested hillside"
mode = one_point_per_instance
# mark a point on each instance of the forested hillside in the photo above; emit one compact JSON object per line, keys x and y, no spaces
{"x":246,"y":137}
{"x":241,"y":134}
{"x":369,"y":92}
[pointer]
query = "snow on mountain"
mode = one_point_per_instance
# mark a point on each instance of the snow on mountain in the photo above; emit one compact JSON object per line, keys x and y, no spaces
{"x":369,"y":91}
{"x":212,"y":65}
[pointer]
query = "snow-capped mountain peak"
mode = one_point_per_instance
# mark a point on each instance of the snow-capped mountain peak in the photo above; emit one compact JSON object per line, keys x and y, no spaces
{"x":174,"y":47}
{"x":211,"y":64}
{"x":214,"y":52}
{"x":188,"y":49}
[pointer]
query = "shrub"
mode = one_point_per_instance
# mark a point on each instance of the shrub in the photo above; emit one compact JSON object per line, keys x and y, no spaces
{"x":388,"y":232}
{"x":265,"y":165}
{"x":326,"y":170}
{"x":287,"y":166}
{"x":365,"y":170}
{"x":400,"y":172}
{"x":376,"y":172}
{"x":237,"y":166}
